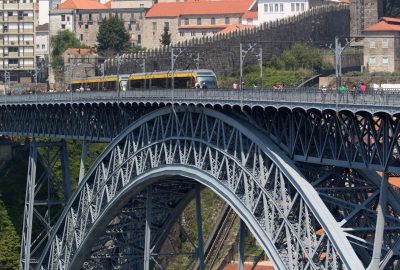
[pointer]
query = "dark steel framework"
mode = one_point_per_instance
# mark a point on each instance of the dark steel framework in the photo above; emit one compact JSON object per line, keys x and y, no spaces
{"x":230,"y":147}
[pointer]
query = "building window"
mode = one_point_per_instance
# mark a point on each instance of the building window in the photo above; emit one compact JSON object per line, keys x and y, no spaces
{"x":86,"y":26}
{"x":385,"y":60}
{"x":37,"y":46}
{"x":80,"y":17}
{"x":249,"y":21}
{"x":227,"y":20}
{"x":192,"y":34}
{"x":81,"y":37}
{"x":281,"y":5}
{"x":154,"y":26}
{"x":139,"y":39}
{"x":213,"y":20}
{"x":276,"y":8}
{"x":62,"y":18}
{"x":240,"y":20}
{"x":265,"y":7}
{"x":271,"y":8}
{"x":385,"y":43}
{"x":67,"y":18}
{"x":198,"y":21}
{"x":137,"y":27}
{"x":13,"y":61}
{"x":302,"y":6}
{"x":292,"y":7}
{"x":166,"y":25}
{"x":43,"y":46}
{"x":204,"y":33}
{"x":90,"y":17}
{"x":372,"y":44}
{"x":372,"y":60}
{"x":186,"y":21}
{"x":63,"y":26}
{"x":182,"y":34}
{"x":297,"y":6}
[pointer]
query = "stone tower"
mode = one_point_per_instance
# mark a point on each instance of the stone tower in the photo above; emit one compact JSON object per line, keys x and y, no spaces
{"x":364,"y":13}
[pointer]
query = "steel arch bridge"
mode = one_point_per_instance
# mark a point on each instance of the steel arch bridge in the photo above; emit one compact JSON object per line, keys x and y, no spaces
{"x":302,"y":179}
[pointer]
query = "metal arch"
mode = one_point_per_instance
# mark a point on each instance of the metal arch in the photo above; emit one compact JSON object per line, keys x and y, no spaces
{"x":202,"y":177}
{"x":250,"y":181}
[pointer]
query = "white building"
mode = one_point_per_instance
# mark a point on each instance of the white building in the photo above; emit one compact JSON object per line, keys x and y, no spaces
{"x":271,"y":10}
{"x":42,"y":42}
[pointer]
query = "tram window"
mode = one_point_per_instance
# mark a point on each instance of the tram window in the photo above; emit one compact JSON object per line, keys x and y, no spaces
{"x":159,"y":83}
{"x":182,"y":82}
{"x":136,"y":84}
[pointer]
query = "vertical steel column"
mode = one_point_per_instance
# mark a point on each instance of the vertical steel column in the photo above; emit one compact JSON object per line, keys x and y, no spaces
{"x":380,"y":224}
{"x":65,"y":171}
{"x":242,"y":235}
{"x":83,"y":160}
{"x":200,"y":249}
{"x":147,"y":234}
{"x":25,"y":257}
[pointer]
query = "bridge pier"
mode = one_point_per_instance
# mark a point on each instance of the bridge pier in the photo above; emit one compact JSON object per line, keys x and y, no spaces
{"x":41,"y":202}
{"x":242,"y":236}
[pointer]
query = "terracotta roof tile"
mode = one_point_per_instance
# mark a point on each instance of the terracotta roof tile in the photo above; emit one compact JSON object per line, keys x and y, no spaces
{"x":80,"y":51}
{"x":108,"y":4}
{"x":235,"y":27}
{"x":177,"y":9}
{"x":385,"y":25}
{"x":389,"y":19}
{"x":250,"y":15}
{"x":81,"y":4}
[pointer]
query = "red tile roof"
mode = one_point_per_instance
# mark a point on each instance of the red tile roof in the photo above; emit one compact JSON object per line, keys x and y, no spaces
{"x":177,"y":9}
{"x":235,"y":27}
{"x":250,"y":15}
{"x":81,"y":4}
{"x":249,"y":266}
{"x":386,"y":24}
{"x":108,"y":4}
{"x":389,"y":19}
{"x":79,"y":52}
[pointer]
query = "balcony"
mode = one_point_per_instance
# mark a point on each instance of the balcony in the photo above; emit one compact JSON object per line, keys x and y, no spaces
{"x":12,"y":19}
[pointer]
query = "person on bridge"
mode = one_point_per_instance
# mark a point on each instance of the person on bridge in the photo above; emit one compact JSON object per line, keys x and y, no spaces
{"x":342,"y":91}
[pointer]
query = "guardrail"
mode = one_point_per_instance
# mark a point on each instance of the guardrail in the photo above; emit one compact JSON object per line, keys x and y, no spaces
{"x":385,"y":98}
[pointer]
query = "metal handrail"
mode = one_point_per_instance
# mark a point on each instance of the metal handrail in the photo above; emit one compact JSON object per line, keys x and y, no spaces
{"x":382,"y":98}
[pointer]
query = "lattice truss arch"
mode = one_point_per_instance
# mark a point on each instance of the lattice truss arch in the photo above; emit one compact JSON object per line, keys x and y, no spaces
{"x":279,"y":206}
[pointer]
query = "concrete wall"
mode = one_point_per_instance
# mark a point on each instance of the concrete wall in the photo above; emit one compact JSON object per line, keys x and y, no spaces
{"x":221,"y":51}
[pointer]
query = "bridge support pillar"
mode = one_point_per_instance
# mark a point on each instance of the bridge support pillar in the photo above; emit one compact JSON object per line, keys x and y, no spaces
{"x":25,"y":258}
{"x":41,"y":198}
{"x":83,"y":160}
{"x":242,"y":235}
{"x":380,"y":224}
{"x":200,"y":248}
{"x":147,"y":233}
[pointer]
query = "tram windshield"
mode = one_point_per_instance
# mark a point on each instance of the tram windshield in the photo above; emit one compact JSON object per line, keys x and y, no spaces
{"x":207,"y":82}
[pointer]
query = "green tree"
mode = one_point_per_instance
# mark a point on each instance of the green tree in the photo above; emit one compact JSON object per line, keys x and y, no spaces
{"x":60,"y":43}
{"x":112,"y":36}
{"x":165,"y":37}
{"x":9,"y":241}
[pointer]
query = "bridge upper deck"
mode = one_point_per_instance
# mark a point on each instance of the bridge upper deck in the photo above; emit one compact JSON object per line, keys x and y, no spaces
{"x":372,"y":102}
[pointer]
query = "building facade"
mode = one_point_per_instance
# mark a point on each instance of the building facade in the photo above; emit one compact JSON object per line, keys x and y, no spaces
{"x":17,"y":40}
{"x":272,"y":10}
{"x":382,"y":46}
{"x":363,"y":14}
{"x":83,"y":17}
{"x":193,"y":19}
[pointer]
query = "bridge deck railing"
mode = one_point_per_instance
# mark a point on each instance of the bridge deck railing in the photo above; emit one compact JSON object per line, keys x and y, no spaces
{"x":386,"y":97}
